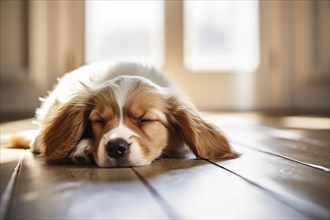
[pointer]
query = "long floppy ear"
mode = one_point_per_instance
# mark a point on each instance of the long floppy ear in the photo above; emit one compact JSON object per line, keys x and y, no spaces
{"x":204,"y":139}
{"x":63,"y":129}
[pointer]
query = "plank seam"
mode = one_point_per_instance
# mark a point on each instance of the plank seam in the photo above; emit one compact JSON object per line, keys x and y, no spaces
{"x":163,"y":203}
{"x":317,"y":167}
{"x":314,"y":212}
{"x":7,"y":194}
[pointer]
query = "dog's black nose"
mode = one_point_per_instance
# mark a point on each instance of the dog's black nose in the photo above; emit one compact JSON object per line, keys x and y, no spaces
{"x":117,"y":148}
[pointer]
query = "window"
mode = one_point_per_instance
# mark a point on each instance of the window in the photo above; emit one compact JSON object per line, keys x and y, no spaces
{"x":124,"y":30}
{"x":221,"y":35}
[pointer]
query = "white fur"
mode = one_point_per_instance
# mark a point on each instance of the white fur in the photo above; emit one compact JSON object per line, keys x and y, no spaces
{"x":78,"y":82}
{"x":120,"y":132}
{"x":136,"y":156}
{"x":82,"y":149}
{"x":91,"y":75}
{"x":102,"y":160}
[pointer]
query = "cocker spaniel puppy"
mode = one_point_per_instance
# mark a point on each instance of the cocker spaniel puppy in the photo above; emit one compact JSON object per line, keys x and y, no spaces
{"x":120,"y":115}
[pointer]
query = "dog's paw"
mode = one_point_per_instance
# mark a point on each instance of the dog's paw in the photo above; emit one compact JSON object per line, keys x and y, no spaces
{"x":82,"y":153}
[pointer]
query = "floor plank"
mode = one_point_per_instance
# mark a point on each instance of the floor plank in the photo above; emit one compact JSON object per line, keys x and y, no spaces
{"x":282,"y":174}
{"x":10,"y":163}
{"x":9,"y":159}
{"x":17,"y":126}
{"x":200,"y":190}
{"x":62,"y":192}
{"x":302,"y":187}
{"x":283,"y":143}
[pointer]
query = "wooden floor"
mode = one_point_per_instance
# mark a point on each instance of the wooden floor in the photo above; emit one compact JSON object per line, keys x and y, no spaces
{"x":283,"y":173}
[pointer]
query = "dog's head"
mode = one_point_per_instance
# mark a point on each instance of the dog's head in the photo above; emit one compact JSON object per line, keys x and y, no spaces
{"x":130,"y":122}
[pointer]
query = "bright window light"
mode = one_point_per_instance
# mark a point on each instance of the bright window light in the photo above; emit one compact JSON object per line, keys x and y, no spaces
{"x":221,"y":35}
{"x":124,"y":30}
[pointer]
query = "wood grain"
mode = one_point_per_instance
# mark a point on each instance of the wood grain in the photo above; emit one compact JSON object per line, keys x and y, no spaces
{"x":281,"y":174}
{"x":302,"y":187}
{"x":9,"y":159}
{"x":72,"y":192}
{"x":200,"y":190}
{"x":305,"y":150}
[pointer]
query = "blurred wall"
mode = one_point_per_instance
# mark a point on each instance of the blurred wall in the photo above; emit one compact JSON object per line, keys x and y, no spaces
{"x":13,"y":41}
{"x":18,"y":97}
{"x":41,"y":40}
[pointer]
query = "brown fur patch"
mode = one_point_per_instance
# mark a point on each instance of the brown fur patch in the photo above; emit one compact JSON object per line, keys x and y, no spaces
{"x":203,"y":138}
{"x":18,"y":141}
{"x":143,"y":102}
{"x":63,"y":129}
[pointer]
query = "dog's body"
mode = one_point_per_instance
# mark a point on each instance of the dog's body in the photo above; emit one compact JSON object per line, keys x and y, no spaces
{"x":122,"y":114}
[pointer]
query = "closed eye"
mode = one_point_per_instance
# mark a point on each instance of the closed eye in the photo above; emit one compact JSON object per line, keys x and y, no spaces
{"x":142,"y":121}
{"x":99,"y":121}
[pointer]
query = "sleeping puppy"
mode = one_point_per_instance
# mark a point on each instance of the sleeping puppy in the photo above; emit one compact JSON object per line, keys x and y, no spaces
{"x":121,"y":115}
